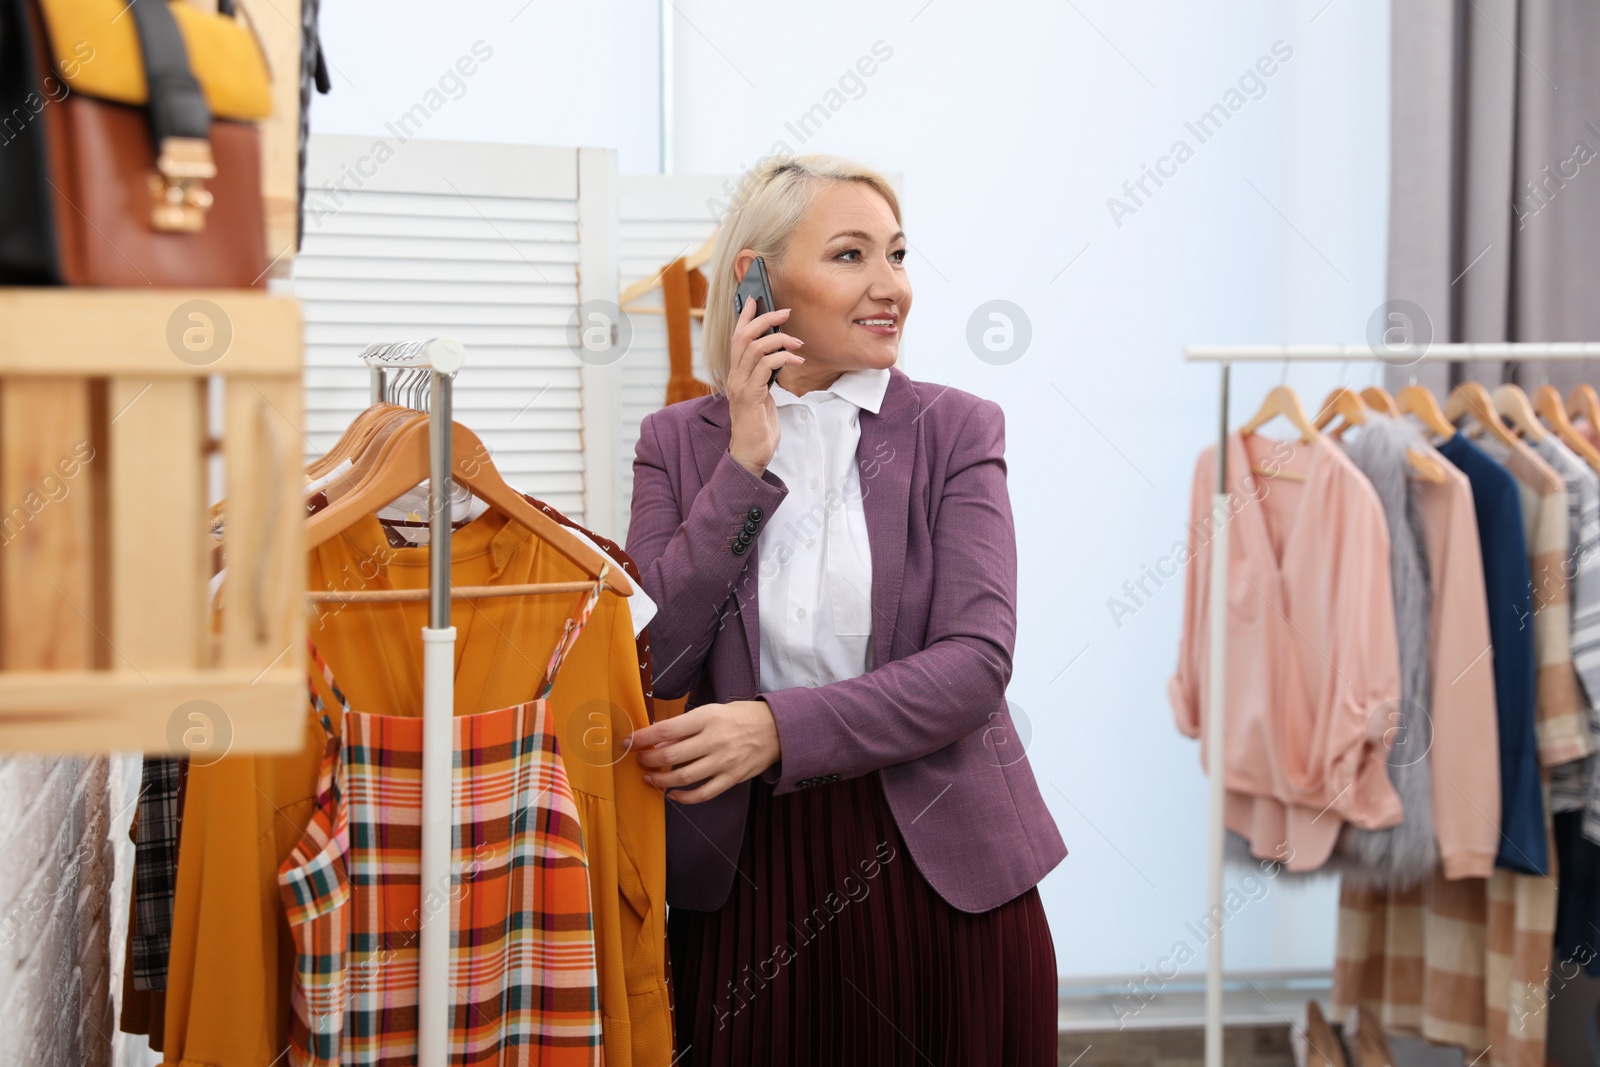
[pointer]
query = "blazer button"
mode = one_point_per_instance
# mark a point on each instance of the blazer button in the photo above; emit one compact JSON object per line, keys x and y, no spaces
{"x":755,"y":515}
{"x":750,"y":527}
{"x":745,"y":537}
{"x":738,"y":548}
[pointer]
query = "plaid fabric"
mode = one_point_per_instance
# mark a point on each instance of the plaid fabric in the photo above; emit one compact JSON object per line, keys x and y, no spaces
{"x":155,"y":869}
{"x":522,"y":958}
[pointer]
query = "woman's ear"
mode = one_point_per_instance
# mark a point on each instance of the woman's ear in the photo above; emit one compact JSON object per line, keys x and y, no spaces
{"x":741,"y":263}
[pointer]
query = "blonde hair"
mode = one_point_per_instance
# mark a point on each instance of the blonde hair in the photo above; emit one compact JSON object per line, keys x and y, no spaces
{"x":771,"y":199}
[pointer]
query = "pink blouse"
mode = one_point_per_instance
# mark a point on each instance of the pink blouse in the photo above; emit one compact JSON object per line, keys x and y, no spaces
{"x":1312,"y":676}
{"x":1465,"y":753}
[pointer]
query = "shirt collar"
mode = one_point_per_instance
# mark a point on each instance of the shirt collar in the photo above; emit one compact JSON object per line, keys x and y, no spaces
{"x":864,"y":388}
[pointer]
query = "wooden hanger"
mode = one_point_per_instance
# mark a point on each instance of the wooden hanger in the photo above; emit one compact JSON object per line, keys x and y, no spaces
{"x":405,"y":463}
{"x":1513,"y":403}
{"x":1427,"y":468}
{"x":1281,"y":401}
{"x":630,"y":296}
{"x":1471,"y":398}
{"x":374,"y":452}
{"x":1378,"y":399}
{"x":1584,"y":402}
{"x":1345,"y":403}
{"x":1547,"y":402}
{"x":1415,"y":400}
{"x":355,"y":438}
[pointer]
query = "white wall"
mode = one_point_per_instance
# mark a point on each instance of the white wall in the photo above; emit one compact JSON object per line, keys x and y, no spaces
{"x":1013,"y":123}
{"x":560,"y":73}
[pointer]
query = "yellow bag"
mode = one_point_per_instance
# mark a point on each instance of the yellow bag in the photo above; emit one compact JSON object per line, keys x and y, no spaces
{"x":96,"y":50}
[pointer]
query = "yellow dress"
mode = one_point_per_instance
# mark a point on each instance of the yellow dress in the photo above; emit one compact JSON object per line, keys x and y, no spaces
{"x":231,"y":958}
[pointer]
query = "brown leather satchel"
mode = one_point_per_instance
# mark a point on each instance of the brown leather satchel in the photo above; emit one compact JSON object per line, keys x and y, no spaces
{"x":129,"y":153}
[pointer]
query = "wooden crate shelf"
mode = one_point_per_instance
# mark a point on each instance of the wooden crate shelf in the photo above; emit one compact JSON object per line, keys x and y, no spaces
{"x":107,"y":637}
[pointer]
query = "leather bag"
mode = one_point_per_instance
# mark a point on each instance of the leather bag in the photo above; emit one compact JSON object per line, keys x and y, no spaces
{"x":129,"y":150}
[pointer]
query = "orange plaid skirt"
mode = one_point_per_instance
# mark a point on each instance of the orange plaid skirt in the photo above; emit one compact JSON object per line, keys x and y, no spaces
{"x":523,"y":986}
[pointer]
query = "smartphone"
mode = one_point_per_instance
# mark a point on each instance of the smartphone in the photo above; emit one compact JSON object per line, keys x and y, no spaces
{"x":755,"y":285}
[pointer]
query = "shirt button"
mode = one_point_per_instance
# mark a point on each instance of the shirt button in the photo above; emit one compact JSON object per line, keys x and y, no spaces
{"x":811,"y":542}
{"x":813,"y":483}
{"x":804,"y":413}
{"x":800,"y":613}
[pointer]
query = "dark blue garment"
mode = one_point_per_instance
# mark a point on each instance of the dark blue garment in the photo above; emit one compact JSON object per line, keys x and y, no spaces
{"x":1509,"y":587}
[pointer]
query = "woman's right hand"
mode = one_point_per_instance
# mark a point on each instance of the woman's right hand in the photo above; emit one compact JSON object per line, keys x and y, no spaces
{"x":751,"y":411}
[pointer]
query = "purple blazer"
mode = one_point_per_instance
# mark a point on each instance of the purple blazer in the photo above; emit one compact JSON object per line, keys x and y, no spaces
{"x":930,"y":716}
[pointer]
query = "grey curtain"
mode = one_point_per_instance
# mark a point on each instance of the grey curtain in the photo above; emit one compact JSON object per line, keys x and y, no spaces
{"x":1494,"y":226}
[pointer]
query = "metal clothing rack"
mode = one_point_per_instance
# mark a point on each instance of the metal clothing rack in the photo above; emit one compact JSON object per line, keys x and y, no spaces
{"x":1226,"y":355}
{"x":433,"y":363}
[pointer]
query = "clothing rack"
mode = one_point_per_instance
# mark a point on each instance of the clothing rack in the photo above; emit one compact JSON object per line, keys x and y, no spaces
{"x":1226,"y":355}
{"x":433,"y":363}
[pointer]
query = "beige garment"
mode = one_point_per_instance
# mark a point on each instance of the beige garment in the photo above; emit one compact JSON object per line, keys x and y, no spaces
{"x":1313,"y":659}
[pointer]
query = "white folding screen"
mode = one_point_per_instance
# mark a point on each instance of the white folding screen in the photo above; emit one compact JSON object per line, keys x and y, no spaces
{"x":493,"y":245}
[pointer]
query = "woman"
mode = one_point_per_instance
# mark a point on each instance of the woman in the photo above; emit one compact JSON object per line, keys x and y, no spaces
{"x":854,"y":847}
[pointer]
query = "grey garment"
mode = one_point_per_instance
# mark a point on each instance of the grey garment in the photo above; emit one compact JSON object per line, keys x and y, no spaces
{"x":1402,"y":855}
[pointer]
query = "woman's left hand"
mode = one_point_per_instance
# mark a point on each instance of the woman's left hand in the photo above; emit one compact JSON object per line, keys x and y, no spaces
{"x":718,"y":745}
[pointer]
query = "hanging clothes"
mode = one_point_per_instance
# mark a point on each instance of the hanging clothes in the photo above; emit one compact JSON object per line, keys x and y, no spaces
{"x":1574,"y":788}
{"x":1522,"y":906}
{"x":1480,"y":950}
{"x":232,"y":954}
{"x":159,"y":814}
{"x":521,"y":970}
{"x":155,"y":870}
{"x":682,"y":289}
{"x":1312,"y":650}
{"x":1416,"y":954}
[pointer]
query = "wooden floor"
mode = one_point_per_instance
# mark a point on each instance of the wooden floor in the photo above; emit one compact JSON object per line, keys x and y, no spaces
{"x":1246,"y":1046}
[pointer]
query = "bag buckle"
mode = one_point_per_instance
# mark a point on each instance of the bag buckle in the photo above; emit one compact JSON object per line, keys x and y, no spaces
{"x":176,"y":186}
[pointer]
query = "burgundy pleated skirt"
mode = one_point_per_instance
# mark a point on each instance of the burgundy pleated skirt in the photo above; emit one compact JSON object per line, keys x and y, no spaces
{"x":833,"y":949}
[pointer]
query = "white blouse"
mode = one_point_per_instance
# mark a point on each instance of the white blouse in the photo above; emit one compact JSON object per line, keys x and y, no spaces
{"x":815,"y":590}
